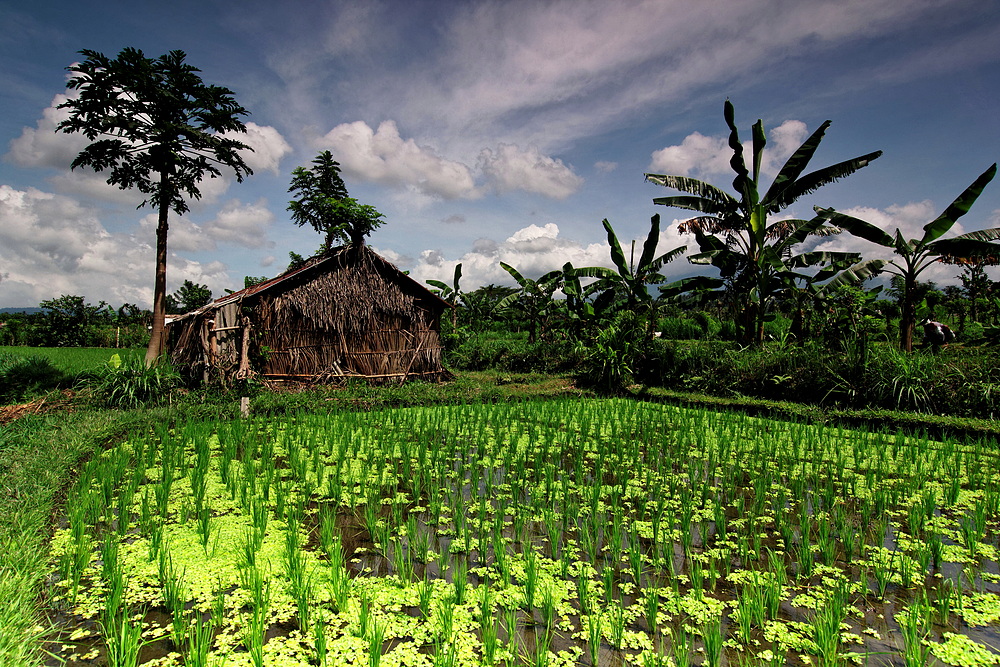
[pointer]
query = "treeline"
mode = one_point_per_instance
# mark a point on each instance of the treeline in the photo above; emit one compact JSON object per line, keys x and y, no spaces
{"x":71,"y":321}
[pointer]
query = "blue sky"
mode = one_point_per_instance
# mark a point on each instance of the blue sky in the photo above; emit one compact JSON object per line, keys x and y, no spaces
{"x":494,"y":131}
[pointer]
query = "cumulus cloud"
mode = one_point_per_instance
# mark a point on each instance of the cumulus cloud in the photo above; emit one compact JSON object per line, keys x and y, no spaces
{"x":268,"y":147}
{"x":418,"y":171}
{"x":236,"y":224}
{"x":52,"y":245}
{"x":701,"y":156}
{"x":513,"y":168}
{"x":42,"y":146}
{"x":243,"y":225}
{"x":605,"y":167}
{"x":533,"y":250}
{"x":383,"y":156}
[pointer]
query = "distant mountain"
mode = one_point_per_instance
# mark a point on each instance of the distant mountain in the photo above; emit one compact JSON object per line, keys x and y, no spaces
{"x":27,"y":311}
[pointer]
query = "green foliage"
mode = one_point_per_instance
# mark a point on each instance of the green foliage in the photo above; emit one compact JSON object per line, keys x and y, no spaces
{"x":914,"y":256}
{"x":189,"y":296}
{"x":609,"y":362}
{"x":22,"y":377}
{"x":127,"y":382}
{"x":733,"y":232}
{"x":67,"y":319}
{"x":512,"y":352}
{"x":321,"y":202}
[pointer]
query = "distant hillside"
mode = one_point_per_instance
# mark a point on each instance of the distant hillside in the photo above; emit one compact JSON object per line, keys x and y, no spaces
{"x":27,"y":311}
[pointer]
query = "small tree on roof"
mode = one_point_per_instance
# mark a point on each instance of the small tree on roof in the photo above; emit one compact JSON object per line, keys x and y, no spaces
{"x":321,"y":202}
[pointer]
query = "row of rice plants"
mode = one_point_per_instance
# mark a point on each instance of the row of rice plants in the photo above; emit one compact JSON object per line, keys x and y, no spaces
{"x":593,"y":532}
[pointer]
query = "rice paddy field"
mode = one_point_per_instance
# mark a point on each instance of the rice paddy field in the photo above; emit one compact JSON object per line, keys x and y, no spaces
{"x":71,"y":360}
{"x":591,"y":532}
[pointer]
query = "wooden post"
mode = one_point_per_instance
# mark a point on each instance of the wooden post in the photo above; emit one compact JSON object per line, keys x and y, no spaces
{"x":245,"y":406}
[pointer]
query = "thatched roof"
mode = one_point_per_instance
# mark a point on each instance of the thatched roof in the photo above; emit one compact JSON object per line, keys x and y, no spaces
{"x":313,"y":264}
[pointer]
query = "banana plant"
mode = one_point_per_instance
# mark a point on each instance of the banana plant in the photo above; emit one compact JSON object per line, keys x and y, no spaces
{"x":734,"y":234}
{"x":629,"y":281}
{"x":534,"y":300}
{"x":451,"y":294}
{"x":914,"y":256}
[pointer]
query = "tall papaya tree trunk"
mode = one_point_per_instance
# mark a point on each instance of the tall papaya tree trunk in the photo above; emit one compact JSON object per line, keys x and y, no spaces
{"x":156,"y":338}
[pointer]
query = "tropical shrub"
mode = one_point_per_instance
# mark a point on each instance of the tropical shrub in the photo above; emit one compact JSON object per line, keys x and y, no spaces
{"x":610,"y":361}
{"x":126,"y":382}
{"x":21,"y":377}
{"x":514,"y":352}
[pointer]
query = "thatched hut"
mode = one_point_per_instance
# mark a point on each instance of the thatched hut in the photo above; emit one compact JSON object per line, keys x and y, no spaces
{"x":346,"y":313}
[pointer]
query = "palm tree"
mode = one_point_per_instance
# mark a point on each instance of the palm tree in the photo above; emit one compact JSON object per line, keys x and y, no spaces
{"x":733,"y":233}
{"x":917,"y":255}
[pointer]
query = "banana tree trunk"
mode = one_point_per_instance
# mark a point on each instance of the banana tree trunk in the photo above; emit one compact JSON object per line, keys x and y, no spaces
{"x":908,"y":317}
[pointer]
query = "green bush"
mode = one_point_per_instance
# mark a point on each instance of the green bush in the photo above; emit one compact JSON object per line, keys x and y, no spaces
{"x":22,"y":377}
{"x":680,"y":328}
{"x":510,"y":352}
{"x":611,"y":360}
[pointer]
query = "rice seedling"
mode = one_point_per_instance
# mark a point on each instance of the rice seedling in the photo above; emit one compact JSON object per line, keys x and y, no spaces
{"x":199,"y":643}
{"x":253,"y":636}
{"x":123,"y":641}
{"x":681,"y":647}
{"x":424,"y":593}
{"x":826,"y":633}
{"x":914,"y":630}
{"x":944,"y":594}
{"x":320,"y":650}
{"x":375,"y":638}
{"x":595,"y":633}
{"x":711,"y":634}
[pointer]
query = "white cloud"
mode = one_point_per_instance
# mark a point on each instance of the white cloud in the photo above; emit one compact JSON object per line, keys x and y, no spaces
{"x":42,"y":146}
{"x":383,"y":156}
{"x":513,"y":168}
{"x":268,"y":147}
{"x":546,"y":74}
{"x":695,"y":154}
{"x":605,"y":167}
{"x":241,"y":225}
{"x":422,"y":175}
{"x":533,"y":250}
{"x":700,"y":156}
{"x":51,"y":245}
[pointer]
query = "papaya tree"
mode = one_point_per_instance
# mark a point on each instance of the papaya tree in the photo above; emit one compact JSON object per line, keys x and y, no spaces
{"x":914,"y":256}
{"x":734,"y":233}
{"x":155,"y":126}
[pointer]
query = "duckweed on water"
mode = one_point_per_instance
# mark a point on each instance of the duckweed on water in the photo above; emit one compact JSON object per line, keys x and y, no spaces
{"x":587,"y":532}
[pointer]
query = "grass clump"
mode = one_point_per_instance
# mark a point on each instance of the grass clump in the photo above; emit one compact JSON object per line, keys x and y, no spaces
{"x":24,"y":376}
{"x":126,"y":382}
